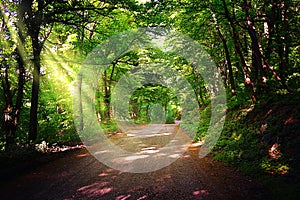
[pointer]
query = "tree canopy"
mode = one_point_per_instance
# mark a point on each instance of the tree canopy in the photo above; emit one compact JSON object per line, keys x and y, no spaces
{"x":254,"y":45}
{"x":254,"y":49}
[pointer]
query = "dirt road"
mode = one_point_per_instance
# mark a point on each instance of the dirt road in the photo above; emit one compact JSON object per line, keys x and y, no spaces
{"x":81,"y":176}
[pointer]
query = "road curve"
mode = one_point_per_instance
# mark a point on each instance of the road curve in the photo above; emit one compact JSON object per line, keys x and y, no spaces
{"x":79,"y":175}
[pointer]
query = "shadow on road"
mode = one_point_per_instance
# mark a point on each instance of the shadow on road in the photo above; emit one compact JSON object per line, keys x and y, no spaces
{"x":81,"y":176}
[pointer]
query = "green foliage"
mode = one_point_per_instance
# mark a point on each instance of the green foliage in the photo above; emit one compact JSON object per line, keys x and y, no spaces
{"x":261,"y":140}
{"x":251,"y":128}
{"x":109,"y":127}
{"x":205,"y":117}
{"x":55,"y":114}
{"x":154,"y":103}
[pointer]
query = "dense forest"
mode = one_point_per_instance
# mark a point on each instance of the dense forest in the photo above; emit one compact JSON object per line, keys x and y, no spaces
{"x":254,"y":45}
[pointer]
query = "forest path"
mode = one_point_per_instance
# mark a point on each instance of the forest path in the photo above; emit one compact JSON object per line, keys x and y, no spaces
{"x":79,"y":175}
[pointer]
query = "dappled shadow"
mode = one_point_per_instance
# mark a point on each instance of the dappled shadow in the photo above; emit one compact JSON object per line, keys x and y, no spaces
{"x":177,"y":181}
{"x":82,"y":176}
{"x":277,"y":125}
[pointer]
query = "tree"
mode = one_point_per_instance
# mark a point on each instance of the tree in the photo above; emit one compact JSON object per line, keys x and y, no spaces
{"x":228,"y":59}
{"x":38,"y":19}
{"x":13,"y":105}
{"x":34,"y":23}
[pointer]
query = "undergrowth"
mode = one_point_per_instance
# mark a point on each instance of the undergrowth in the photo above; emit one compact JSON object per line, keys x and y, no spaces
{"x":262,"y":140}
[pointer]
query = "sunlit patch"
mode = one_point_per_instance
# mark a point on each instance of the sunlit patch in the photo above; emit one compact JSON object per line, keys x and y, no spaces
{"x":95,"y":189}
{"x":149,"y":150}
{"x":248,"y":80}
{"x":166,"y":134}
{"x":102,"y":184}
{"x":101,"y":152}
{"x":150,"y":134}
{"x":143,"y":197}
{"x":83,"y":155}
{"x":274,"y":166}
{"x":197,"y":144}
{"x":268,"y":113}
{"x":103,"y":174}
{"x":123,"y":197}
{"x":165,"y":176}
{"x":283,"y":169}
{"x":136,"y":157}
{"x":274,"y":151}
{"x":263,"y":127}
{"x":160,"y":154}
{"x":200,"y":192}
{"x":289,"y":120}
{"x":176,"y":155}
{"x":139,"y":2}
{"x":117,"y":135}
{"x":103,"y":191}
{"x":246,"y":110}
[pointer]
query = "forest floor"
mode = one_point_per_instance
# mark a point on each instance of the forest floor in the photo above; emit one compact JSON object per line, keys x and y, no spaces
{"x":76,"y":174}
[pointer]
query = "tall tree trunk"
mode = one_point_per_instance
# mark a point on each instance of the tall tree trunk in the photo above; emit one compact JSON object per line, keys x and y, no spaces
{"x":12,"y":113}
{"x":228,"y":60}
{"x":147,"y":113}
{"x":21,"y":83}
{"x":8,"y":111}
{"x":106,"y":96}
{"x":98,"y":103}
{"x":246,"y":70}
{"x":285,"y":37}
{"x":33,"y":124}
{"x":270,"y":33}
{"x":134,"y":107}
{"x":19,"y":99}
{"x":32,"y":19}
{"x":256,"y":54}
{"x":81,"y":125}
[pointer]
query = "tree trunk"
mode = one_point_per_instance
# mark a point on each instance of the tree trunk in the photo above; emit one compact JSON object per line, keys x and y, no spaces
{"x":270,"y":33}
{"x":12,"y":113}
{"x":198,"y":89}
{"x":134,"y":107}
{"x":228,"y":60}
{"x":32,"y":19}
{"x":98,"y":103}
{"x":33,"y":124}
{"x":81,"y":125}
{"x":256,"y":54}
{"x":8,"y":111}
{"x":106,"y":96}
{"x":246,"y":70}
